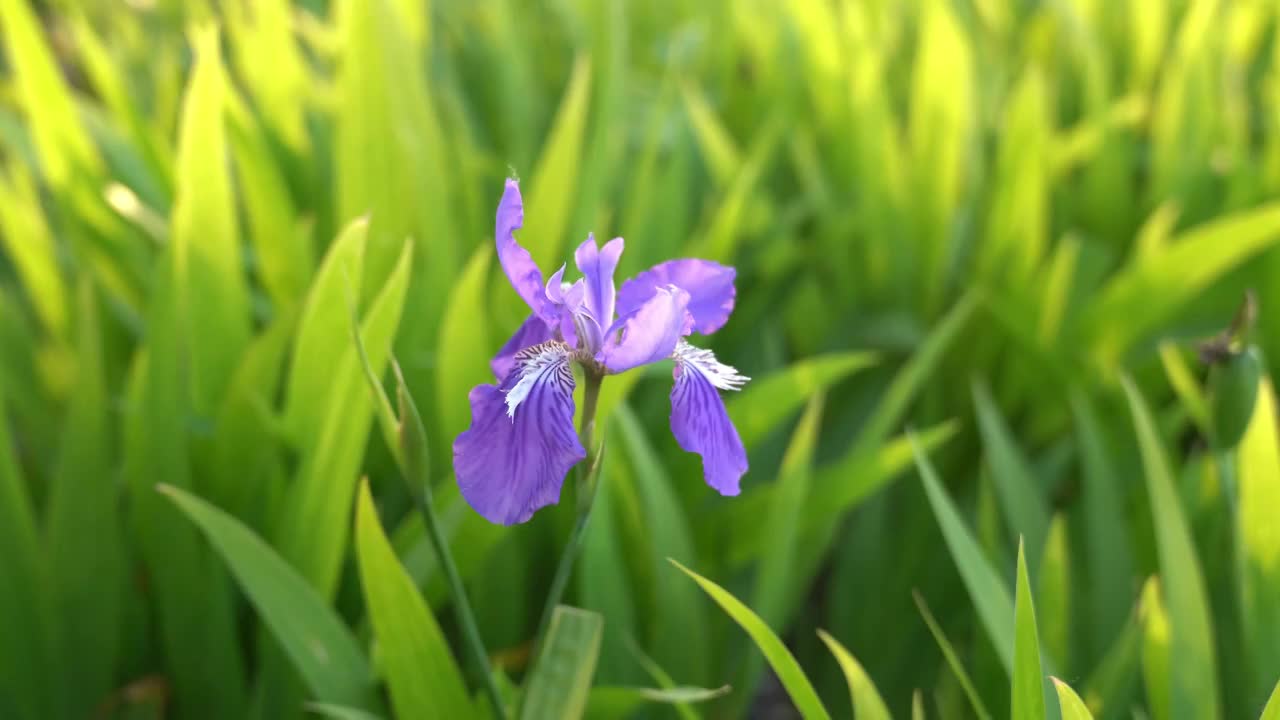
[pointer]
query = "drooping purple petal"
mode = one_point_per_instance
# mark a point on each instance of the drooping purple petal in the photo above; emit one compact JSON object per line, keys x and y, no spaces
{"x":517,"y":263}
{"x":521,"y":443}
{"x":698,"y":418}
{"x":597,"y":266}
{"x":649,"y":334}
{"x":709,"y":284}
{"x":533,"y":331}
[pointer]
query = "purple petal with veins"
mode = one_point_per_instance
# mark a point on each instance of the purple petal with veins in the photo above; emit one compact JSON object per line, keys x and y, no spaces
{"x":521,"y":443}
{"x":533,"y":331}
{"x":699,"y":421}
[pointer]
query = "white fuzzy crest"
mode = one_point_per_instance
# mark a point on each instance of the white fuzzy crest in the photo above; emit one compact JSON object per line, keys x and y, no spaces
{"x":533,"y":362}
{"x":723,"y":376}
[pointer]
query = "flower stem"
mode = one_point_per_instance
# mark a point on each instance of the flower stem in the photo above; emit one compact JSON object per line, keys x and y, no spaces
{"x":461,"y":604}
{"x":586,"y":475}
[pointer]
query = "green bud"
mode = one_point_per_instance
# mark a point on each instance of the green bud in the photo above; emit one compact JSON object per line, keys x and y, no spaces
{"x":1233,"y":388}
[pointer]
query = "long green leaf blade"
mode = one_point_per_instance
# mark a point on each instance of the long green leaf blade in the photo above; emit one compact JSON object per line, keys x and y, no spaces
{"x":561,"y":682}
{"x":1193,"y":662}
{"x":421,"y":673}
{"x":325,"y":654}
{"x":780,"y":658}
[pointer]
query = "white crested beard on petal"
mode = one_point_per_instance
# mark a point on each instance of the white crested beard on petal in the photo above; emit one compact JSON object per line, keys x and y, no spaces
{"x":724,"y":377}
{"x":532,"y":365}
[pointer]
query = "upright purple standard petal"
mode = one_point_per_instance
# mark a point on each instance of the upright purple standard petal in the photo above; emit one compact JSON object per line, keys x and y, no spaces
{"x":521,"y":443}
{"x":699,"y":420}
{"x":597,"y":266}
{"x":709,"y":284}
{"x":533,"y":331}
{"x":649,"y":334}
{"x":517,"y":263}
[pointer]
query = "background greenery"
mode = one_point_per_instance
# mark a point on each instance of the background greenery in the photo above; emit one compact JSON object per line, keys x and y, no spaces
{"x":997,"y":224}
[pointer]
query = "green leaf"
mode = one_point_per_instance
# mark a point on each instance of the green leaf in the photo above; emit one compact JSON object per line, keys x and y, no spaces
{"x":774,"y":594}
{"x":64,"y":147}
{"x":1185,"y":384}
{"x":1070,"y":704}
{"x":855,"y":475}
{"x":867,"y":703}
{"x":464,"y":345}
{"x":1193,"y":662}
{"x":780,"y":658}
{"x":719,"y":152}
{"x":1110,"y":558}
{"x":341,"y":712}
{"x":1113,"y":681}
{"x":1053,"y":587}
{"x":677,"y":621}
{"x":562,"y":675}
{"x":765,"y":403}
{"x":1156,"y":658}
{"x":552,"y":190}
{"x":32,"y":249}
{"x":989,"y":594}
{"x":192,"y":593}
{"x":1025,"y":511}
{"x":283,"y":250}
{"x":953,"y":660}
{"x":24,"y":660}
{"x":421,"y":673}
{"x":1193,"y":261}
{"x":1272,"y":709}
{"x":610,"y":702}
{"x":213,"y":291}
{"x":893,"y":458}
{"x":1028,"y":680}
{"x":313,"y":533}
{"x":320,"y":647}
{"x":83,"y":533}
{"x":1257,"y":538}
{"x":323,"y":334}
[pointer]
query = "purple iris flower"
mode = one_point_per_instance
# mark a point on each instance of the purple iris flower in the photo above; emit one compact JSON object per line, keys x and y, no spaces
{"x":521,"y":443}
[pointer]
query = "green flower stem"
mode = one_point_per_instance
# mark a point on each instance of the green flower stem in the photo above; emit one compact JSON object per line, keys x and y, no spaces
{"x":461,"y":604}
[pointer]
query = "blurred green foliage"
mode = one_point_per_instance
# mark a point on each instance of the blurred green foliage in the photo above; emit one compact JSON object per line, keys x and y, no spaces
{"x":998,"y":223}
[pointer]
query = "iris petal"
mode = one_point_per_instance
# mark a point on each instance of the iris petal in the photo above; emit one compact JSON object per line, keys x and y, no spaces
{"x":533,"y":331}
{"x":597,"y":266}
{"x":516,"y":262}
{"x":649,"y":334}
{"x":709,"y":284}
{"x":521,"y":443}
{"x":698,"y":418}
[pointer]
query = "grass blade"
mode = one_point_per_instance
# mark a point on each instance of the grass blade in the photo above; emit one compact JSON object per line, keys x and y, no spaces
{"x":779,"y":657}
{"x":325,"y":654}
{"x":765,"y":403}
{"x":989,"y":594}
{"x":1025,"y":511}
{"x":867,"y":703}
{"x":83,"y":531}
{"x":213,"y":291}
{"x":561,"y":682}
{"x":1258,"y":538}
{"x":1028,"y":680}
{"x":1072,"y":707}
{"x":953,"y":660}
{"x":1193,"y":662}
{"x":421,"y":673}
